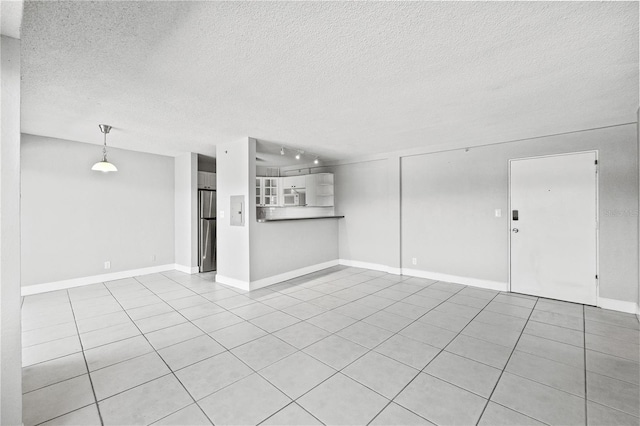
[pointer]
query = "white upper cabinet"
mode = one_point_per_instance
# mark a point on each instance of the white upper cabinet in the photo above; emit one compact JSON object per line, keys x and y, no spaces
{"x":293,"y":182}
{"x":206,"y":180}
{"x":267,"y":191}
{"x":319,"y":189}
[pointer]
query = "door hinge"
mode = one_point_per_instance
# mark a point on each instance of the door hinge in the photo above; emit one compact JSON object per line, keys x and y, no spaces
{"x":596,"y":276}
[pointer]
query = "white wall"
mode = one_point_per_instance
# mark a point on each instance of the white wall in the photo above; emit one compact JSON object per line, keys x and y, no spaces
{"x":10,"y":326}
{"x":449,"y":198}
{"x":186,"y":212}
{"x":448,"y":201}
{"x":234,"y":173}
{"x":361,"y":194}
{"x":257,"y":254}
{"x":74,"y":219}
{"x":280,"y":247}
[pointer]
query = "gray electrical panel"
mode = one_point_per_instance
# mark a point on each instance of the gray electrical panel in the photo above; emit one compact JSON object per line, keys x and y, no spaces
{"x":237,"y":210}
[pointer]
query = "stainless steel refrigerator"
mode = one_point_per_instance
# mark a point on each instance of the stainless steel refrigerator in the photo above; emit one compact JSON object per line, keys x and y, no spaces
{"x":207,"y":230}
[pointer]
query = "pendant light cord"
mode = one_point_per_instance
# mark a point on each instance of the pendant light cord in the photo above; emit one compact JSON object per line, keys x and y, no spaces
{"x":104,"y":148}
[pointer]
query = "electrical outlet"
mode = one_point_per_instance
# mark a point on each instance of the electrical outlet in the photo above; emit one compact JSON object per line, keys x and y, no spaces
{"x":153,"y":257}
{"x":414,"y":261}
{"x":107,"y":265}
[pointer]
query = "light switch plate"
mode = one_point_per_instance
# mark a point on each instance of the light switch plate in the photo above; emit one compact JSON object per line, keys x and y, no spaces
{"x":498,"y":212}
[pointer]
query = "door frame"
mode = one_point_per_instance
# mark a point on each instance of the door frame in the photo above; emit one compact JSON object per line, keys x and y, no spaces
{"x":509,"y":211}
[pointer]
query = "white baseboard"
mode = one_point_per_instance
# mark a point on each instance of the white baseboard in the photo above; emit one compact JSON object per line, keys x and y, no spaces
{"x":94,"y":279}
{"x":372,"y":266}
{"x":473,"y":282}
{"x":187,"y":269}
{"x":618,"y":305}
{"x":264,"y":282}
{"x":233,"y":282}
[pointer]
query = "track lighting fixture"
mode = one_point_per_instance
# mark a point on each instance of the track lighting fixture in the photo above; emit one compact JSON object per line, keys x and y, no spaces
{"x":299,"y":154}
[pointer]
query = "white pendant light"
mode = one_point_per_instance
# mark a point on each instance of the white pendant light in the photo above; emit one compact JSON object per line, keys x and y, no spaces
{"x":104,"y":166}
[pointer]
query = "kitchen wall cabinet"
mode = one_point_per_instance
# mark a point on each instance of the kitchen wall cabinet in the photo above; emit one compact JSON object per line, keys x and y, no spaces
{"x":267,"y":191}
{"x":206,"y":180}
{"x":319,"y":189}
{"x":315,"y":190}
{"x":294,"y":182}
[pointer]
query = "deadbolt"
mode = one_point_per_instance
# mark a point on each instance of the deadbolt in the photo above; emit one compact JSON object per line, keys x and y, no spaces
{"x":515,"y":230}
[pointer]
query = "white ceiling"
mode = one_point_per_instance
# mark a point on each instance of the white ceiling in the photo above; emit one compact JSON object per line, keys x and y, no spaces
{"x":338,"y":79}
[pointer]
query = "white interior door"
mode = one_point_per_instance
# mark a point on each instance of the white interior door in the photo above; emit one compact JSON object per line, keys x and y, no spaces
{"x":554,"y":227}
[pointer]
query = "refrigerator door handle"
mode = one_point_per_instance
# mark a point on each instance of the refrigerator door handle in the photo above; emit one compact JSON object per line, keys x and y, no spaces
{"x":206,"y":243}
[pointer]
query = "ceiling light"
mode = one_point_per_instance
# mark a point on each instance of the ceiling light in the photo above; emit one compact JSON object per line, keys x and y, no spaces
{"x":104,"y":166}
{"x":282,"y":151}
{"x":298,"y":155}
{"x":316,"y":161}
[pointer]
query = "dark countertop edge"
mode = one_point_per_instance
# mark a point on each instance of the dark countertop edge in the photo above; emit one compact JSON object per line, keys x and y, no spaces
{"x":299,"y":218}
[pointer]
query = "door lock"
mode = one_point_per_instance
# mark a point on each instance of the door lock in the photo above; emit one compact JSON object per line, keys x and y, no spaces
{"x":515,"y":230}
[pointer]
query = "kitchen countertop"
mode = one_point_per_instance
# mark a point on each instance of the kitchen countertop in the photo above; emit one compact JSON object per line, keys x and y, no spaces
{"x":299,"y":218}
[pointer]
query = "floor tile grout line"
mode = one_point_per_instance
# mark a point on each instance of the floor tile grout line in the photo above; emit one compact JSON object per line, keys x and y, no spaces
{"x":125,"y":311}
{"x":258,"y":372}
{"x":299,"y":350}
{"x":505,"y":368}
{"x":394,"y":301}
{"x":392,"y":400}
{"x":86,"y":364}
{"x":183,"y":408}
{"x":285,"y":407}
{"x":614,"y":325}
{"x":522,"y":414}
{"x":65,"y":414}
{"x":334,"y":333}
{"x":171,"y":372}
{"x":617,"y":338}
{"x":51,"y":341}
{"x":554,"y":360}
{"x":230,"y":384}
{"x":515,"y":374}
{"x":55,"y":383}
{"x":637,"y":418}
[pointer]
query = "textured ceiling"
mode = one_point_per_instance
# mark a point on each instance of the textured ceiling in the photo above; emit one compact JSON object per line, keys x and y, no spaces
{"x":10,"y":18}
{"x":339,"y":79}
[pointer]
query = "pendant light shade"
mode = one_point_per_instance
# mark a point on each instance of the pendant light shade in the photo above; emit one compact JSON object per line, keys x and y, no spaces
{"x":104,"y":165}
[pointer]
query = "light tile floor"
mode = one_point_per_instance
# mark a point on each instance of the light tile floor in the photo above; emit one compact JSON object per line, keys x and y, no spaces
{"x":340,"y":346}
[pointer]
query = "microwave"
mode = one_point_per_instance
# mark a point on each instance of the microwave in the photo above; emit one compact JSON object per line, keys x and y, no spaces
{"x":292,"y":198}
